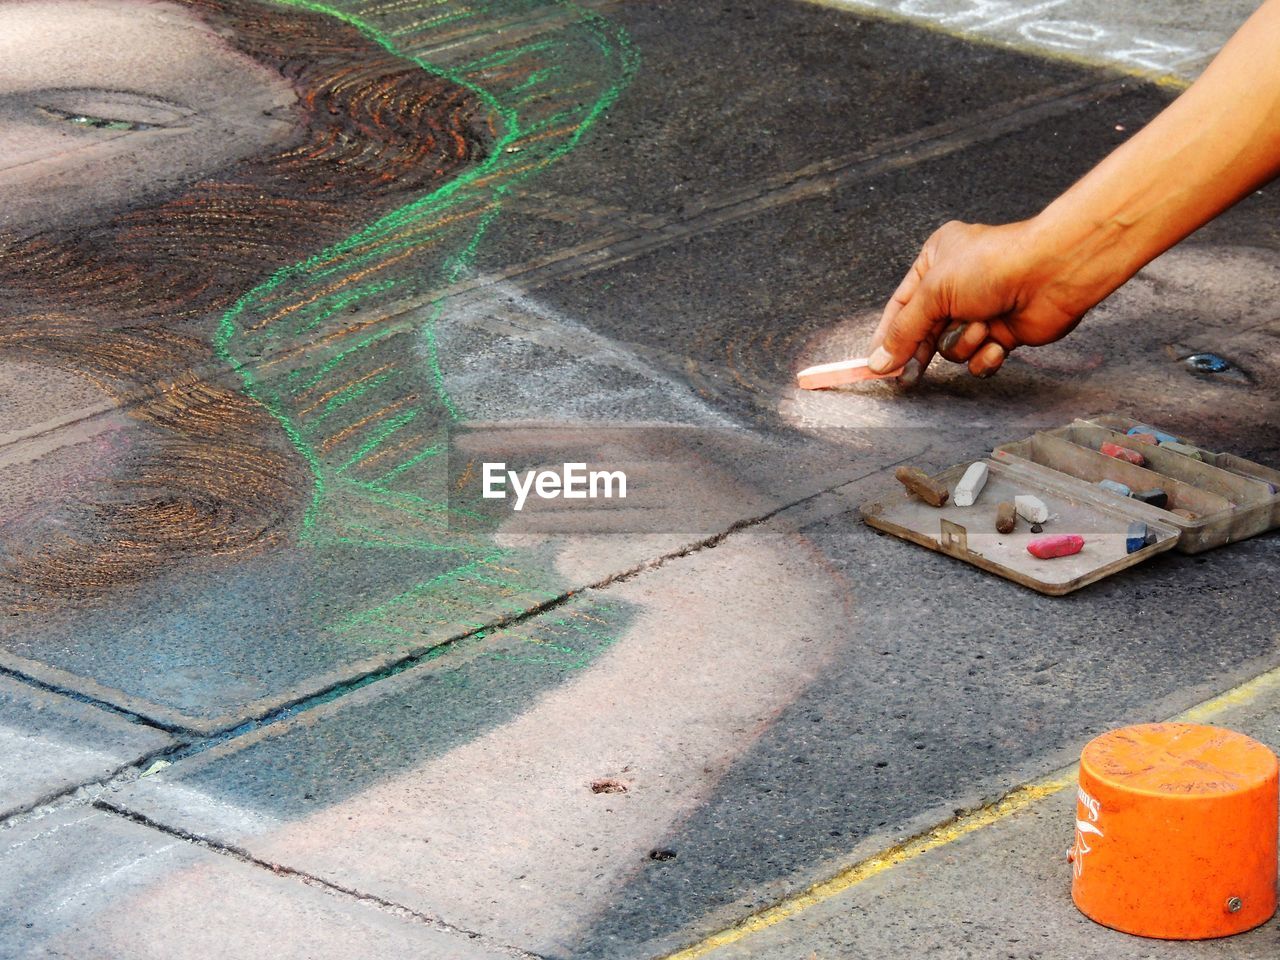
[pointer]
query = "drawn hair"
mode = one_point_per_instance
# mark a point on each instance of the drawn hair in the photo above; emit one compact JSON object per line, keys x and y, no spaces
{"x":128,"y":303}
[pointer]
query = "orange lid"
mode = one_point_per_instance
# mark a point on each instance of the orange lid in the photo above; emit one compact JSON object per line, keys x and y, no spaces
{"x":1176,"y":831}
{"x":1179,"y":760}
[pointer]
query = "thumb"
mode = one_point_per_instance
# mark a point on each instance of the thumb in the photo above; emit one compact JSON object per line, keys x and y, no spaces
{"x":911,"y":326}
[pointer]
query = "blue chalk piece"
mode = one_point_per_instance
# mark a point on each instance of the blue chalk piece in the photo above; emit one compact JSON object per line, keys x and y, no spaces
{"x":1160,"y":435}
{"x":1119,"y":489}
{"x":1136,"y":538}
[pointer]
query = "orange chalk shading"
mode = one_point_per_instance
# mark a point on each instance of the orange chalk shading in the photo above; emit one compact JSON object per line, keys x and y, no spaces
{"x":826,"y":375}
{"x":1176,"y":831}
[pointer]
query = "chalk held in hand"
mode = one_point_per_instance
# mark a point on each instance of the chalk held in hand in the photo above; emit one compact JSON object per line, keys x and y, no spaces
{"x":840,"y":373}
{"x":1059,"y":545}
{"x":1031,"y":509}
{"x":970,"y":485}
{"x":919,"y":483}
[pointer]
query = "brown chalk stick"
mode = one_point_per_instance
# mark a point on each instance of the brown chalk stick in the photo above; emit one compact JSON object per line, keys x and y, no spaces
{"x":1006,"y":516}
{"x":918,"y":483}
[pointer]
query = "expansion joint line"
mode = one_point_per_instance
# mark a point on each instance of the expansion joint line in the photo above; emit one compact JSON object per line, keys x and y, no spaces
{"x":349,"y":893}
{"x":133,"y":716}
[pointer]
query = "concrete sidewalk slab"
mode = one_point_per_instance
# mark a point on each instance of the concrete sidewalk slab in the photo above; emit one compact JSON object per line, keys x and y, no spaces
{"x":1003,"y":890}
{"x":519,"y":807}
{"x":84,"y":883}
{"x":50,"y":744}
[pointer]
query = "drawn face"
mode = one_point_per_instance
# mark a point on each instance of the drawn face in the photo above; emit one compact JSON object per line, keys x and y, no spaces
{"x":107,"y":102}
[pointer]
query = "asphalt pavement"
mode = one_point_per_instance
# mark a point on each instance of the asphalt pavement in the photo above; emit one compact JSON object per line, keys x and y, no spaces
{"x":723,"y":717}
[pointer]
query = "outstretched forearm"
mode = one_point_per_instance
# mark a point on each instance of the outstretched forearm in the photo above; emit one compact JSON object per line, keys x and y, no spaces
{"x":1207,"y":150}
{"x":976,"y":292}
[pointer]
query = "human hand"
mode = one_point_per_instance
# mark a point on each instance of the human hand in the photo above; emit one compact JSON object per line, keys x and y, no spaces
{"x":975,"y":293}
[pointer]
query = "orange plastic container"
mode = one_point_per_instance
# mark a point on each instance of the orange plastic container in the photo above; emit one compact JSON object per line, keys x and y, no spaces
{"x":1176,"y":832}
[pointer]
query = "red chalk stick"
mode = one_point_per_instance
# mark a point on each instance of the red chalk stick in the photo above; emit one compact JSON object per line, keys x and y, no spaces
{"x":1060,"y":545}
{"x":1123,"y":453}
{"x":837,"y":374}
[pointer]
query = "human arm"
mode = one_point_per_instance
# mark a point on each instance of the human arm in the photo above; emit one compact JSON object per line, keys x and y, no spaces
{"x":976,"y":292}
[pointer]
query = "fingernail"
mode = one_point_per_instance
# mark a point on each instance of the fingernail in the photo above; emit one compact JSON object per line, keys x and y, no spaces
{"x":880,"y":361}
{"x":951,"y":338}
{"x":910,"y":375}
{"x":988,"y":373}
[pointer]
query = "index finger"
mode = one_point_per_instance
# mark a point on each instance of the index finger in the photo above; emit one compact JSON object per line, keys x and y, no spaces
{"x":899,"y":299}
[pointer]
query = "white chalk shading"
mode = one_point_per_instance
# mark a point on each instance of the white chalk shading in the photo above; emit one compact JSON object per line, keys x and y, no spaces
{"x":1161,"y":39}
{"x":218,"y":818}
{"x":26,"y":753}
{"x":49,"y":745}
{"x":509,"y":357}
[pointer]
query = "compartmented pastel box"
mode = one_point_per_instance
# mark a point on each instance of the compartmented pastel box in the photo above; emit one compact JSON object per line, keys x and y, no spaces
{"x":1230,"y":498}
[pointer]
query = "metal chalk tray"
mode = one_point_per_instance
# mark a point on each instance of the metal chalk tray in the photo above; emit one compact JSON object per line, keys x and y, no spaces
{"x":1229,"y":498}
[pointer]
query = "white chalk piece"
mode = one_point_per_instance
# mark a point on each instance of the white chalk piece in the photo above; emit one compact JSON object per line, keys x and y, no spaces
{"x":970,"y":485}
{"x":826,"y":375}
{"x":1031,"y":509}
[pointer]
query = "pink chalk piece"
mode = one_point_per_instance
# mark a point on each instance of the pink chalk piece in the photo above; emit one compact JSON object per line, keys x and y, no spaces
{"x":1124,"y":453}
{"x":838,"y":374}
{"x":1059,"y":545}
{"x":1150,"y":439}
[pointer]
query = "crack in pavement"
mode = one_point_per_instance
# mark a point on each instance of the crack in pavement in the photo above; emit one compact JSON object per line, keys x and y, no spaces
{"x":281,"y":870}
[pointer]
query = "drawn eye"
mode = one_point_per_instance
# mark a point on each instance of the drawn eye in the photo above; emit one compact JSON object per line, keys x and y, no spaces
{"x":97,"y":123}
{"x":113,"y":110}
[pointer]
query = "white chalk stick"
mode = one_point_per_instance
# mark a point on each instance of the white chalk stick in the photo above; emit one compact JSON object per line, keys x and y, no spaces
{"x":1031,"y":509}
{"x":970,"y":485}
{"x":837,"y":374}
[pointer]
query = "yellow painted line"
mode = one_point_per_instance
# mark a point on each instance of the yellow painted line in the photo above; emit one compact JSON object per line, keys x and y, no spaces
{"x":1171,"y":81}
{"x":1240,"y":696}
{"x":952,"y":830}
{"x":878,"y":863}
